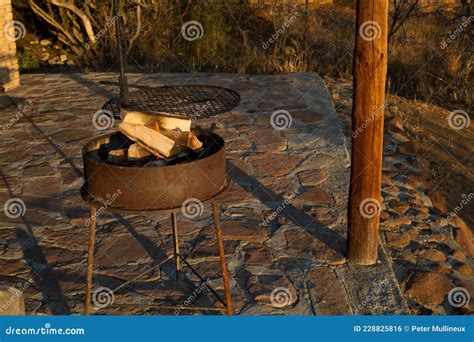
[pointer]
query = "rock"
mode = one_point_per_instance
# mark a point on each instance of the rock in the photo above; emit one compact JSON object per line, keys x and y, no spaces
{"x":397,"y":240}
{"x":269,"y":141}
{"x":312,"y":177}
{"x":410,"y":148}
{"x":120,"y":250}
{"x":307,"y":116}
{"x":317,"y":196}
{"x":464,"y":269}
{"x":327,"y":293}
{"x":241,"y":231}
{"x":400,"y":207}
{"x":321,"y":214}
{"x":402,"y":219}
{"x":321,"y":161}
{"x":429,"y":288}
{"x":238,"y":145}
{"x":11,"y":301}
{"x":422,"y":216}
{"x":442,"y":269}
{"x":280,"y":190}
{"x":399,"y":137}
{"x":438,"y":201}
{"x":38,"y":170}
{"x":235,"y":194}
{"x":207,"y":249}
{"x":49,"y":186}
{"x":458,"y":255}
{"x":389,"y":225}
{"x":302,"y":243}
{"x":272,"y":290}
{"x":258,"y":256}
{"x":273,"y":164}
{"x":463,"y":235}
{"x":432,"y":254}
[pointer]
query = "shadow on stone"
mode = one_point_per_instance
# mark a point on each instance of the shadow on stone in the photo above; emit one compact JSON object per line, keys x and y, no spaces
{"x":268,"y":197}
{"x":187,"y":285}
{"x":42,"y":273}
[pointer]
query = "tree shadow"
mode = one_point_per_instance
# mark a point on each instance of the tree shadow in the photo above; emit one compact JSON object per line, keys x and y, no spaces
{"x":268,"y":197}
{"x":42,"y":272}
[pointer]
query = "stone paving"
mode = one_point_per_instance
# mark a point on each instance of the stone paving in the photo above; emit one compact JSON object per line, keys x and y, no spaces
{"x":284,"y":216}
{"x":431,"y":249}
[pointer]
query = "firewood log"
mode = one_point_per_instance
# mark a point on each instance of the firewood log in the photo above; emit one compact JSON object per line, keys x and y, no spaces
{"x":153,"y":141}
{"x":117,"y":156}
{"x":185,"y":139}
{"x":163,"y":120}
{"x":136,"y":152}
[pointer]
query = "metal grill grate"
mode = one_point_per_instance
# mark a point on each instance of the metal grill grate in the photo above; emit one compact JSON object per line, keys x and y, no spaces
{"x":194,"y":101}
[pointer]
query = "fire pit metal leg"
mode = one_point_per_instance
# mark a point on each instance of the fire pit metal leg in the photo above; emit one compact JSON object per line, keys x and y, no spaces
{"x":90,"y":259}
{"x":175,"y":243}
{"x":220,"y":246}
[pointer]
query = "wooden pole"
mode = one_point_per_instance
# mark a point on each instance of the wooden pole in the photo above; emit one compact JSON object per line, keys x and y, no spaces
{"x":90,"y":259}
{"x":370,"y":68}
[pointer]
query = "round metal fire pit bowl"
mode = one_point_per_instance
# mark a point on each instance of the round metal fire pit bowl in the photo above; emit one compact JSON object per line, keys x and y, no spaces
{"x":142,"y":188}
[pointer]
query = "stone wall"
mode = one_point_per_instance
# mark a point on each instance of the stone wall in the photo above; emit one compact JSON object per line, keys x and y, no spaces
{"x":9,"y":72}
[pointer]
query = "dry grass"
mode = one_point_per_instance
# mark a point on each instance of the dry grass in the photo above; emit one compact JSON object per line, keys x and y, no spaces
{"x":320,"y":39}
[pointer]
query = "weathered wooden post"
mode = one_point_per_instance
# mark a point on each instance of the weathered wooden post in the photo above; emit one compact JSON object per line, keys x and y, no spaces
{"x":370,"y":67}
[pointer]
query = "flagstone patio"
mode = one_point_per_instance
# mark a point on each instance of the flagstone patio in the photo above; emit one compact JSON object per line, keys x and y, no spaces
{"x":283,"y":217}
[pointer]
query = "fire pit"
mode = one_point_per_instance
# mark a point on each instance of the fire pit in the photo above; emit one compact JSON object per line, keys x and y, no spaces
{"x":161,"y":186}
{"x":150,"y":188}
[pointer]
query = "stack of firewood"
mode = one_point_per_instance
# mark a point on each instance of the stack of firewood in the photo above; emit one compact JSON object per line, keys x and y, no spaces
{"x":159,"y":138}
